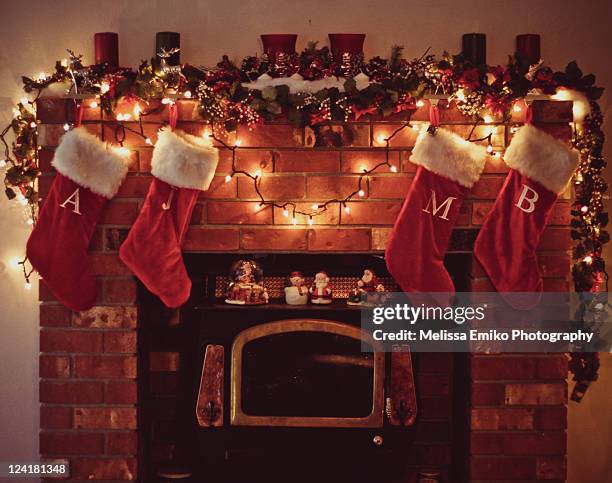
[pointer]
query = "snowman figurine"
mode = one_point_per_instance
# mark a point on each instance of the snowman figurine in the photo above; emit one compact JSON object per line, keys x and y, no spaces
{"x":296,"y":292}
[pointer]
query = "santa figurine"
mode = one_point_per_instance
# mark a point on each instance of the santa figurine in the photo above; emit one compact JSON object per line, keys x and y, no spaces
{"x":368,"y":291}
{"x":320,"y":291}
{"x":296,"y":292}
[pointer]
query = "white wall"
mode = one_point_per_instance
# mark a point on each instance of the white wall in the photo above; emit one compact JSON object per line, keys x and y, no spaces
{"x":35,"y":33}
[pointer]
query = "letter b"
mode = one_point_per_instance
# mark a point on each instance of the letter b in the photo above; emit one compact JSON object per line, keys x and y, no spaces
{"x":530,"y":201}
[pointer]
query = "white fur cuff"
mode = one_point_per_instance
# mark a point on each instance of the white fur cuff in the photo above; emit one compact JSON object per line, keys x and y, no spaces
{"x":86,"y":160}
{"x":183,"y":160}
{"x":544,"y":159}
{"x":449,"y":155}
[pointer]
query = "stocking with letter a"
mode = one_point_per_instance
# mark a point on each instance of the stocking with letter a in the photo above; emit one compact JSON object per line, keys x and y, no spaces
{"x":448,"y":166}
{"x":540,"y":169}
{"x":89,"y":173}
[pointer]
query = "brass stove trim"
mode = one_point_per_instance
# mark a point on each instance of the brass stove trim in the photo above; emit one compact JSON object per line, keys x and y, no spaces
{"x":239,"y":418}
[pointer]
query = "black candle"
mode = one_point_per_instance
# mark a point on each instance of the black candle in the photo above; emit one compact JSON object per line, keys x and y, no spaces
{"x":528,"y":48}
{"x":168,"y":41}
{"x":475,"y":48}
{"x":106,"y":48}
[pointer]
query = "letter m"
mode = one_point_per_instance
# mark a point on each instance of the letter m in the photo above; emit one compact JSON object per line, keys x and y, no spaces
{"x":432,"y":205}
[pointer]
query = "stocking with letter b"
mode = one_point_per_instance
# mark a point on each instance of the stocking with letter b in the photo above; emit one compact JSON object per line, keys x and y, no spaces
{"x":540,"y":169}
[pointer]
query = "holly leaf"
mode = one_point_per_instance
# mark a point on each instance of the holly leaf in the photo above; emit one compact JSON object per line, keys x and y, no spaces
{"x":573,"y":72}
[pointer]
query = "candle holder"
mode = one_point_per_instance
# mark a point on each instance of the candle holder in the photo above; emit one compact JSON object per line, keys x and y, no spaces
{"x":279,"y":52}
{"x":474,"y":48}
{"x":347,"y":53}
{"x":106,"y":48}
{"x":528,"y":48}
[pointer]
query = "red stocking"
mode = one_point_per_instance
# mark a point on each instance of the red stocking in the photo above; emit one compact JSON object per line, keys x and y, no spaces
{"x":448,"y":167}
{"x":182,"y":166}
{"x":541,"y":167}
{"x":88,"y":175}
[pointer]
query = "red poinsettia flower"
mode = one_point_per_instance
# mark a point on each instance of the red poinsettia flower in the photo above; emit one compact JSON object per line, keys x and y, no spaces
{"x":470,"y":79}
{"x":544,"y":80}
{"x":497,"y":104}
{"x":499,"y":75}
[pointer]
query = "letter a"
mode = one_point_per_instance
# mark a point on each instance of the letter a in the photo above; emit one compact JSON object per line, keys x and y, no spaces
{"x":530,"y":201}
{"x":73,"y":199}
{"x":446,"y":205}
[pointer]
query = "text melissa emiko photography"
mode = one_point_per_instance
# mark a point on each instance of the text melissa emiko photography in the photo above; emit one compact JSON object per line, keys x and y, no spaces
{"x":480,"y":323}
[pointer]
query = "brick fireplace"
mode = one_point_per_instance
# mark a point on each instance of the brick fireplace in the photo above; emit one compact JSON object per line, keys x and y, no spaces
{"x":90,"y":370}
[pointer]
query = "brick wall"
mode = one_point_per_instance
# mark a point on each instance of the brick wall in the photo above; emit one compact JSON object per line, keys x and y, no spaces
{"x":88,"y":361}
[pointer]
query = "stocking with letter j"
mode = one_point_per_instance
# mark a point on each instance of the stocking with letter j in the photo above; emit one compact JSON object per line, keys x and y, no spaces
{"x":89,"y":173}
{"x":540,"y":169}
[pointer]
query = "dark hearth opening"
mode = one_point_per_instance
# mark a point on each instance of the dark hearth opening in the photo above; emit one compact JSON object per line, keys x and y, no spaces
{"x":291,"y":374}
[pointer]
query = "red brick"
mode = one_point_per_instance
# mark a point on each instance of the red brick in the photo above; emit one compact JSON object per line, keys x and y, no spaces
{"x":55,"y":340}
{"x":213,"y":239}
{"x":487,"y":188}
{"x":121,"y":443}
{"x":54,"y":316}
{"x":536,"y":394}
{"x":404,"y":138}
{"x":238,"y":213}
{"x":105,"y":418}
{"x":435,"y":408}
{"x":119,"y":291}
{"x":120,"y":213}
{"x":351,"y":135}
{"x":488,"y":394}
{"x":390,"y":187}
{"x":104,"y":469}
{"x":555,"y":285}
{"x":220,"y":189}
{"x":549,"y":443}
{"x":248,"y":160}
{"x":551,"y":417}
{"x":355,"y":161}
{"x":380,"y":237}
{"x":271,"y":135}
{"x":164,"y":361}
{"x":144,"y":159}
{"x":407,"y":166}
{"x":323,"y":239}
{"x":272,"y":187}
{"x":307,"y":161}
{"x":55,"y":110}
{"x":121,"y":392}
{"x":120,"y":342}
{"x":331,"y":216}
{"x":134,"y":187}
{"x":54,"y":366}
{"x":434,"y":384}
{"x":70,"y":444}
{"x":554,"y":265}
{"x":500,"y":468}
{"x":551,"y":468}
{"x":513,"y":368}
{"x":70,"y":392}
{"x":326,"y":187}
{"x":486,"y":443}
{"x":553,"y":367}
{"x":371,"y":213}
{"x":45,"y":156}
{"x":55,"y":417}
{"x":106,"y":317}
{"x":273,"y":239}
{"x":112,"y":366}
{"x":501,"y":418}
{"x":555,"y":239}
{"x":435,"y":363}
{"x":108,"y":264}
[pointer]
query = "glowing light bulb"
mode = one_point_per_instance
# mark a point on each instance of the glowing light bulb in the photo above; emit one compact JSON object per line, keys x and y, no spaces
{"x":516,"y":107}
{"x":310,"y":221}
{"x":148,"y":141}
{"x":66,"y":127}
{"x":187,"y":94}
{"x":315,"y":206}
{"x":579,"y":178}
{"x":121,"y":150}
{"x":347,"y":210}
{"x":119,"y":117}
{"x":64,"y":63}
{"x":258,"y":173}
{"x":461,"y":95}
{"x":361,"y":193}
{"x":16,"y":112}
{"x":286,"y":213}
{"x":381,"y":139}
{"x":14,"y":263}
{"x":32,"y":124}
{"x":22,"y":200}
{"x":488,"y":119}
{"x":93,"y":104}
{"x":414,"y":127}
{"x":588,"y":259}
{"x":30,"y":221}
{"x":42,"y":76}
{"x":27,"y":286}
{"x":166,"y":100}
{"x":104,"y":87}
{"x":206,"y":133}
{"x":137,"y":110}
{"x":238,"y":142}
{"x":24,"y":100}
{"x":420,"y":103}
{"x":584,"y":209}
{"x":393,"y":168}
{"x":228,"y":178}
{"x":3,"y":163}
{"x":294,"y":221}
{"x":489,"y":149}
{"x":258,"y":207}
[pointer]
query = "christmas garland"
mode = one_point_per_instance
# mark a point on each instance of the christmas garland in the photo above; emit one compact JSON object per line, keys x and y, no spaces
{"x":309,"y":91}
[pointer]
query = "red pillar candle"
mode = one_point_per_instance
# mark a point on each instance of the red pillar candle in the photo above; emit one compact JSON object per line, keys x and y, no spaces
{"x":528,"y":48}
{"x":475,"y":48}
{"x":346,"y":44}
{"x":274,"y":44}
{"x":106,"y":47}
